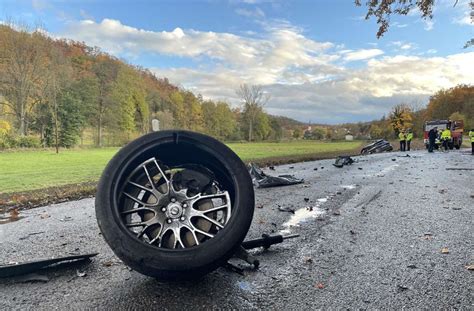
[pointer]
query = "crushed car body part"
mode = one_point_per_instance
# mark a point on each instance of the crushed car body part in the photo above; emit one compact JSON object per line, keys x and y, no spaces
{"x":377,"y":146}
{"x":262,"y":180}
{"x":343,"y":160}
{"x":16,"y":269}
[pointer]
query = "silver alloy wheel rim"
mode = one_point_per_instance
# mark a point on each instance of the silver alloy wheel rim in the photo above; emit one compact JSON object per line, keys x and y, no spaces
{"x":165,"y":217}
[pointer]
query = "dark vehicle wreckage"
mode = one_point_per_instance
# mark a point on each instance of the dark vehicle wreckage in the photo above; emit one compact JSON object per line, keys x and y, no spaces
{"x":176,"y":205}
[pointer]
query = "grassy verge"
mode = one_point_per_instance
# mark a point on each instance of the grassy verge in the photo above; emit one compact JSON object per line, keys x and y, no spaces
{"x":37,"y":177}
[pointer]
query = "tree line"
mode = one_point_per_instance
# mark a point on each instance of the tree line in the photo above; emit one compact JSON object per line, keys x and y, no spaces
{"x":52,"y":91}
{"x":456,"y":103}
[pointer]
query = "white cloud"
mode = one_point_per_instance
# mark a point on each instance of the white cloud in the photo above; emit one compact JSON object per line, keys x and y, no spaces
{"x":362,"y":54}
{"x":349,"y":94}
{"x":256,"y":13}
{"x":429,"y":24}
{"x":306,"y":78}
{"x":464,"y":17}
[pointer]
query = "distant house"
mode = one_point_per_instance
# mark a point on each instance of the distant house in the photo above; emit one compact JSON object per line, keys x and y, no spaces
{"x":349,"y":136}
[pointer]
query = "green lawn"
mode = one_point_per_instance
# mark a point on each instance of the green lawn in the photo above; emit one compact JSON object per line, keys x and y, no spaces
{"x":30,"y":170}
{"x":254,"y":151}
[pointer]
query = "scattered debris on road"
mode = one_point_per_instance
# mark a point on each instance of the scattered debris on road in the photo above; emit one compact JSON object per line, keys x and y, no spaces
{"x":81,"y":274}
{"x":30,"y":234}
{"x":377,"y":146}
{"x":267,"y":240}
{"x":262,"y":180}
{"x":286,"y":209}
{"x":15,"y":269}
{"x":460,"y":169}
{"x":343,"y":160}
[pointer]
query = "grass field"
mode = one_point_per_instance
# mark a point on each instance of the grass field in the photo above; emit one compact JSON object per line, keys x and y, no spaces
{"x":31,"y":170}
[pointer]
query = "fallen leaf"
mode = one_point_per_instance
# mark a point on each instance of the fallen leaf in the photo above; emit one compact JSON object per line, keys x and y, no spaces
{"x":336,"y":212}
{"x":108,"y":263}
{"x":44,"y":216}
{"x":444,"y":250}
{"x":259,"y":206}
{"x":14,"y":214}
{"x":320,"y":285}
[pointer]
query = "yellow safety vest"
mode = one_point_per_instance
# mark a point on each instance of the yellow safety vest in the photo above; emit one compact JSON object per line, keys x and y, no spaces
{"x":446,"y":134}
{"x":409,"y":136}
{"x":471,"y":135}
{"x":401,"y":136}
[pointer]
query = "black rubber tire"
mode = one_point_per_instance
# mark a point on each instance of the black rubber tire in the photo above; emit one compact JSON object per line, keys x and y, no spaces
{"x":175,"y":147}
{"x":457,"y":146}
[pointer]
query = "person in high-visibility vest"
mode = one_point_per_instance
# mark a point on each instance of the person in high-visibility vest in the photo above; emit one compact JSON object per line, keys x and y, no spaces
{"x":471,"y":135}
{"x":402,"y":138}
{"x":446,"y":138}
{"x":409,"y":137}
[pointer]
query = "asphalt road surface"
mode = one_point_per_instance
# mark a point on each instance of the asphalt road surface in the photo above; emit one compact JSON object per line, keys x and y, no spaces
{"x":388,"y":232}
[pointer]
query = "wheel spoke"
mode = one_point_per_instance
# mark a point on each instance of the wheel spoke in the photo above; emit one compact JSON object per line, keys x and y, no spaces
{"x":150,"y":180}
{"x":140,"y":186}
{"x":215,"y":209}
{"x":157,"y":237}
{"x":177,"y":239}
{"x":213,"y":196}
{"x":137,"y":210}
{"x":215,"y":222}
{"x":161,"y":172}
{"x":137,"y":224}
{"x":193,"y":233}
{"x":140,"y":202}
{"x":209,"y":235}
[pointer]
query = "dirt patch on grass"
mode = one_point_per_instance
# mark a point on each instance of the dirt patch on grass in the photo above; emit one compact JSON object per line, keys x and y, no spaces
{"x":41,"y":197}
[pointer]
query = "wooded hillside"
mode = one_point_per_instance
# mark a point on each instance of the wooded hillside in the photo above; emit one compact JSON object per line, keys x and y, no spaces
{"x":64,"y":92}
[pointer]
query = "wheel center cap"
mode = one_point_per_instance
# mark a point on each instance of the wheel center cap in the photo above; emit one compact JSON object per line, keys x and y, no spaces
{"x":174,"y":210}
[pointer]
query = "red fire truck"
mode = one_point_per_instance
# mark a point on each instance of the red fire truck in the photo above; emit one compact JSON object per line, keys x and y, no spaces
{"x":456,"y":127}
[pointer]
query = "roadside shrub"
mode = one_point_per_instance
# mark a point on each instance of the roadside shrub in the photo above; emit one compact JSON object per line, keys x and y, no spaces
{"x":11,"y":142}
{"x":28,"y":142}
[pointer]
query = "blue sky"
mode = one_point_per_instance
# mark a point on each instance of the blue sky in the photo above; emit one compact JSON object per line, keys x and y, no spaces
{"x":318,"y":60}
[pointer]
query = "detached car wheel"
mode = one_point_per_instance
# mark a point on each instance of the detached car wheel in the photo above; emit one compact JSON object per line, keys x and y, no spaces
{"x":175,"y":204}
